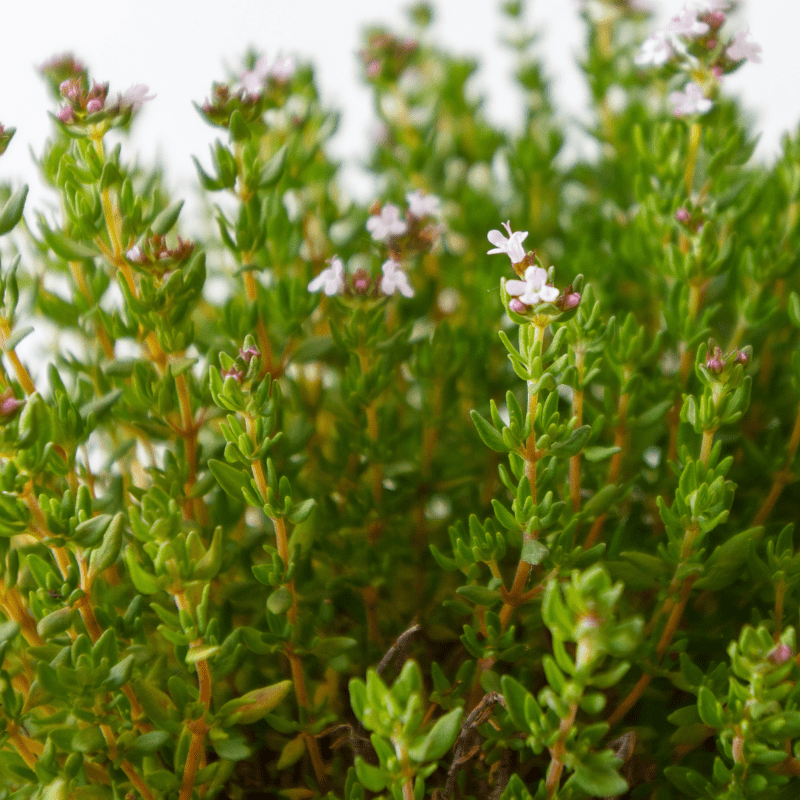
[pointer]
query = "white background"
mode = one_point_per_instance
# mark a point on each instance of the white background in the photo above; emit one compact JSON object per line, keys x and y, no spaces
{"x":178,"y":47}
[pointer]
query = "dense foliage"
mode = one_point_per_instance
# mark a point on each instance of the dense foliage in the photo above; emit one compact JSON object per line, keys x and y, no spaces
{"x":333,"y":502}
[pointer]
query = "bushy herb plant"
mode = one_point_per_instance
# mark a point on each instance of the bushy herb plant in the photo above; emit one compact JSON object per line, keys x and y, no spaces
{"x":332,"y":502}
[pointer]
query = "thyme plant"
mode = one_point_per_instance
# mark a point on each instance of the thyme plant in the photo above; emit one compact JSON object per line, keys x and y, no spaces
{"x":337,"y":501}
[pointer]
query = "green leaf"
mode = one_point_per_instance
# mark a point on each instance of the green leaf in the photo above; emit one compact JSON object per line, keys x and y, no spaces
{"x":144,"y":582}
{"x":149,"y":742}
{"x":12,"y":210}
{"x":55,"y":622}
{"x":600,"y":780}
{"x":89,"y":740}
{"x":489,"y":436}
{"x":370,"y":777}
{"x":534,"y":552}
{"x":166,"y":220}
{"x":292,"y":752}
{"x":280,"y":601}
{"x":480,"y":595}
{"x":725,"y":564}
{"x":439,"y":739}
{"x":573,"y":444}
{"x":120,"y":673}
{"x":516,"y":695}
{"x":271,"y":172}
{"x":104,"y":556}
{"x":709,"y":708}
{"x":232,"y":480}
{"x":254,"y":705}
{"x":595,"y":453}
{"x":16,"y":337}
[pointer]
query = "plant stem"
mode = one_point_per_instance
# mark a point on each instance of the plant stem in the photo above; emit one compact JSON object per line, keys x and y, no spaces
{"x":251,"y":288}
{"x":620,"y":436}
{"x":577,"y":412}
{"x":782,"y":478}
{"x":557,"y":752}
{"x":695,"y":134}
{"x":514,"y":595}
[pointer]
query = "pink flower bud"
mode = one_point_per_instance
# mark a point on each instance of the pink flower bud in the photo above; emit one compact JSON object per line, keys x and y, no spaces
{"x":94,"y":105}
{"x":517,"y":306}
{"x":714,"y":361}
{"x":65,"y":115}
{"x":373,"y":68}
{"x":70,"y":89}
{"x":9,"y":404}
{"x":570,"y":300}
{"x":711,"y":44}
{"x":717,"y":72}
{"x":715,"y":19}
{"x":249,"y":354}
{"x":781,"y":654}
{"x":234,"y":373}
{"x":742,"y":357}
{"x":682,"y":215}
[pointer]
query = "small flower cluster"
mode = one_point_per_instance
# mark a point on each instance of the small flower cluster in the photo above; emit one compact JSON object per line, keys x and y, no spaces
{"x":386,"y":56}
{"x":253,"y":81}
{"x":692,"y":41}
{"x":335,"y":281}
{"x":153,"y":255}
{"x":534,"y":288}
{"x":717,"y":363}
{"x":246,"y":354}
{"x":92,"y":105}
{"x":416,"y":232}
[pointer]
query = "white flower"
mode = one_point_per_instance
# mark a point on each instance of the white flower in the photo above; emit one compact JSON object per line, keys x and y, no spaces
{"x":252,"y":80}
{"x":655,"y":50}
{"x":687,"y":24}
{"x":741,"y":49}
{"x":532,"y":290}
{"x":330,"y":280}
{"x":282,"y":70}
{"x":395,"y":280}
{"x":512,"y":246}
{"x":135,"y":253}
{"x":423,"y":205}
{"x":134,"y":97}
{"x":690,"y":101}
{"x":386,"y":224}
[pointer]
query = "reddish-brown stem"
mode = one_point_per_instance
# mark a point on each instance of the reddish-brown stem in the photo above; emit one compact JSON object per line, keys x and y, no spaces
{"x":575,"y":461}
{"x":780,"y":592}
{"x":620,"y":436}
{"x":557,"y":752}
{"x":782,"y":478}
{"x":663,"y":643}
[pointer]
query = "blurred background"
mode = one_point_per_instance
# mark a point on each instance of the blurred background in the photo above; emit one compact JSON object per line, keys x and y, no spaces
{"x":179,"y":47}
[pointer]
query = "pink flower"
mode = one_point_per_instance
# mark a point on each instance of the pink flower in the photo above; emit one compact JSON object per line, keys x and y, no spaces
{"x":282,"y":69}
{"x":742,"y":50}
{"x":687,"y":24}
{"x":781,"y":654}
{"x":423,"y":205}
{"x":395,"y":280}
{"x":331,"y":280}
{"x":234,"y":373}
{"x":135,"y":97}
{"x":655,"y":50}
{"x":386,"y":224}
{"x":690,"y":101}
{"x":94,"y":105}
{"x":533,"y":289}
{"x":517,"y":305}
{"x":253,"y":80}
{"x":9,"y":404}
{"x":512,"y":246}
